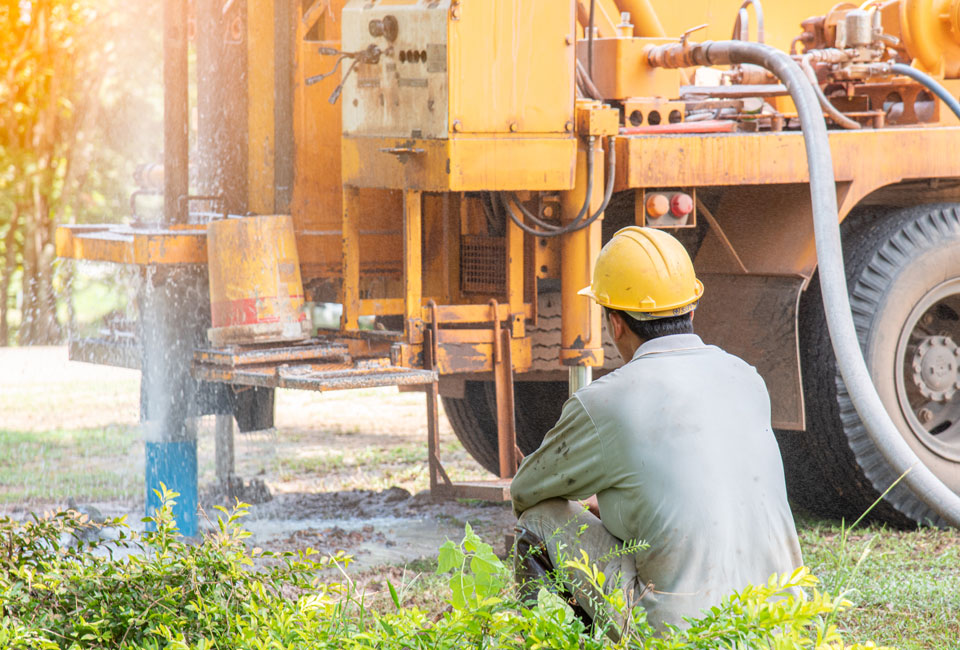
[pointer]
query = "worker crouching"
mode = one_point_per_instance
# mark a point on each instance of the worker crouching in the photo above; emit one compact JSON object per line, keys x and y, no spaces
{"x":674,"y":449}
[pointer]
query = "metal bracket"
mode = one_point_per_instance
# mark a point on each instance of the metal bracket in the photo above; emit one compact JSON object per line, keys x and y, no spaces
{"x":440,"y":483}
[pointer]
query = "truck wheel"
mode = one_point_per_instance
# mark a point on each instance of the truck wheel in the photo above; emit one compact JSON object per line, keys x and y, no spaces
{"x":537,"y":405}
{"x":903,"y":271}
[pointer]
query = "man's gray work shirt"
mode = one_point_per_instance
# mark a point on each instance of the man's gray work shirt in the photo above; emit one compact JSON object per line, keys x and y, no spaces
{"x":678,"y":447}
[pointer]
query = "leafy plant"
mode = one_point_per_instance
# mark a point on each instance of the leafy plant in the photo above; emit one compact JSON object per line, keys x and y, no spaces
{"x":58,"y":590}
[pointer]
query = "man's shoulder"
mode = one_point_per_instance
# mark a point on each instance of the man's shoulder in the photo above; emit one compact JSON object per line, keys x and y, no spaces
{"x":649,"y":373}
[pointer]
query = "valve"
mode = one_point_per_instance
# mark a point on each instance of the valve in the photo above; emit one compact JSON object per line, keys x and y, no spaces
{"x":370,"y":54}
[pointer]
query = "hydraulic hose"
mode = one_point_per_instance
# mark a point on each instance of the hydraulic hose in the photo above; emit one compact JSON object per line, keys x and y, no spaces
{"x":551,"y":230}
{"x":836,"y":301}
{"x":932,"y":85}
{"x":828,"y":108}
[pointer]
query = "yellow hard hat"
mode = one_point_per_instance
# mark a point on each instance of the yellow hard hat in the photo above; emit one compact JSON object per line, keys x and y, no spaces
{"x":645,"y":272}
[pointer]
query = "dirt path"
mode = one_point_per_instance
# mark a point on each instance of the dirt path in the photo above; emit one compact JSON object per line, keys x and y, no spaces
{"x":347,"y":471}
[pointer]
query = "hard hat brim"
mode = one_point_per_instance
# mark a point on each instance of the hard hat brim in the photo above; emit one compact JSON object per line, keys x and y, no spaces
{"x":663,"y":312}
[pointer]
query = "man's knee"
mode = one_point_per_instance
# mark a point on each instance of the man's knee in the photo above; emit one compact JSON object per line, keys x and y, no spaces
{"x":549,"y":517}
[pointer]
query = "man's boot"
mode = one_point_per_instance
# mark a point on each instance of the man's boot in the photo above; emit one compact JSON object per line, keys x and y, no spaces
{"x":533,"y":569}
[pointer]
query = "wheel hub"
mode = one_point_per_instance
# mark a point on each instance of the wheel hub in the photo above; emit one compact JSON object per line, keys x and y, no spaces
{"x":935,"y":366}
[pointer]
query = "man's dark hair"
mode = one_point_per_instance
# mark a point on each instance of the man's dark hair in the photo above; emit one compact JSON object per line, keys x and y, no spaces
{"x":653,"y":329}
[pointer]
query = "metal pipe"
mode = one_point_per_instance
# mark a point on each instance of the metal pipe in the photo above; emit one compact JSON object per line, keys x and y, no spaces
{"x":930,"y":83}
{"x":830,"y":109}
{"x":590,"y":30}
{"x":882,"y":431}
{"x":741,"y":28}
{"x":588,"y":84}
{"x":579,"y":376}
{"x":176,"y":105}
{"x":644,"y":17}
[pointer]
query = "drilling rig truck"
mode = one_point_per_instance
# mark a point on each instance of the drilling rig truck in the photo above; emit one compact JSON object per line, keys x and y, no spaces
{"x":449,"y":169}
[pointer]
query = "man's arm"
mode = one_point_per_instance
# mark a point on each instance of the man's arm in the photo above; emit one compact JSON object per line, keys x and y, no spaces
{"x":568,"y":464}
{"x":591,"y":504}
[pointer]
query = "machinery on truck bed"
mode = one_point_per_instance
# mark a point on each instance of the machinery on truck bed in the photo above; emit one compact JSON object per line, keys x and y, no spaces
{"x":453,"y":167}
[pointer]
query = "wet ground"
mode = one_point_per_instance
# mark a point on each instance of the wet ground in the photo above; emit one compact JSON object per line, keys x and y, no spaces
{"x":346,"y":471}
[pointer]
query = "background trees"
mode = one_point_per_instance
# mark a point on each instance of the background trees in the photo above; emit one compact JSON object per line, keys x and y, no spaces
{"x":80,"y":106}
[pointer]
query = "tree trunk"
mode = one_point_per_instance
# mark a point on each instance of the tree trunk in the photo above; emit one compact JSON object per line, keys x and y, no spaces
{"x":40,"y":326}
{"x":9,"y":265}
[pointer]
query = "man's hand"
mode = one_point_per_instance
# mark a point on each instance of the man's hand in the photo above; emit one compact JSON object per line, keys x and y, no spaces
{"x":592,"y":505}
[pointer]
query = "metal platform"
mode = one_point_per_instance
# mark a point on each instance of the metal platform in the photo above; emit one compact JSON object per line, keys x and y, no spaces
{"x":497,"y":489}
{"x":317,"y":365}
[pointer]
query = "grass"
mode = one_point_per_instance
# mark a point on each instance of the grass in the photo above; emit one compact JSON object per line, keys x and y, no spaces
{"x":53,"y":466}
{"x":366,"y":457}
{"x":905,"y":584}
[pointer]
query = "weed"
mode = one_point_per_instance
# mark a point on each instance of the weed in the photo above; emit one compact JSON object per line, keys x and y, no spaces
{"x":168,"y":594}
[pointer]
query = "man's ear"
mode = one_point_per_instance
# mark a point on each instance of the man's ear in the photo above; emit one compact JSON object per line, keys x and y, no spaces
{"x":617,"y":326}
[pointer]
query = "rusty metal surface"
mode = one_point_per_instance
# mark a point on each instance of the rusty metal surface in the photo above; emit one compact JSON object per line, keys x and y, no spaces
{"x":493,"y":490}
{"x":127,"y":245}
{"x":233,"y":356}
{"x":769,"y":227}
{"x":122,"y":351}
{"x":764,"y":333}
{"x":733,"y":92}
{"x":503,"y":382}
{"x":318,"y":377}
{"x":321,"y":380}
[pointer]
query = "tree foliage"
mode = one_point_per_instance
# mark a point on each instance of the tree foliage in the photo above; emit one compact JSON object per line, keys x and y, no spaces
{"x":69,"y":86}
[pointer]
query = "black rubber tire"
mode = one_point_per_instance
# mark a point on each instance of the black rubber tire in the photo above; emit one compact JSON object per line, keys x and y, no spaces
{"x":893,"y":258}
{"x":537,"y":405}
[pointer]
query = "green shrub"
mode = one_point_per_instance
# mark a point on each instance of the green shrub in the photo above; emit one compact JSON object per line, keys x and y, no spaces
{"x":159,"y":591}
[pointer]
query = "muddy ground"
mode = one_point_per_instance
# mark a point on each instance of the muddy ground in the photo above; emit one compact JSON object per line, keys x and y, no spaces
{"x":346,"y":471}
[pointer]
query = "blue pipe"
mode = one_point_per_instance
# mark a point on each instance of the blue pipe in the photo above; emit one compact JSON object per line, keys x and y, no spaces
{"x":175,"y":465}
{"x":932,"y":84}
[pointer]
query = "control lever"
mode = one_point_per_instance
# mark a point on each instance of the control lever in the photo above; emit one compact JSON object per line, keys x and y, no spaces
{"x":371,"y":54}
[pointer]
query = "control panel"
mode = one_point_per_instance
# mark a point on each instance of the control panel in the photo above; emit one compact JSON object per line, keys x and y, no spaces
{"x":400,"y":89}
{"x":431,"y":69}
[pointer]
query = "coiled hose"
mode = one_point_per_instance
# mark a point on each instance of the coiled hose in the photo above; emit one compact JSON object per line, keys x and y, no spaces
{"x":836,"y":301}
{"x":578,"y":223}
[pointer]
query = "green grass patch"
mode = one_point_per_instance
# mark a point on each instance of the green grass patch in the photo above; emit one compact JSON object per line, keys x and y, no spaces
{"x":365,"y":457}
{"x":904,"y":583}
{"x":86,"y":464}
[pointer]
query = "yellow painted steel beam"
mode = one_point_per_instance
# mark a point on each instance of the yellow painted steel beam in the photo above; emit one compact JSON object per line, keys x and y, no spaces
{"x":515,"y":274}
{"x":413,"y":265}
{"x":869,"y":157}
{"x":446,"y":314}
{"x":125,"y":245}
{"x":350,"y":259}
{"x":260,"y":103}
{"x":461,"y":164}
{"x":580,"y":324}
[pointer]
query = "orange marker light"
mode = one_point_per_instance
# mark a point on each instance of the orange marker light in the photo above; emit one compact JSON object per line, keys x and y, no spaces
{"x":657,"y":205}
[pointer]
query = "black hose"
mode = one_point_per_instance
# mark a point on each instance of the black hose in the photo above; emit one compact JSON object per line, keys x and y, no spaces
{"x":932,"y":85}
{"x":577,"y":223}
{"x":552,"y":230}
